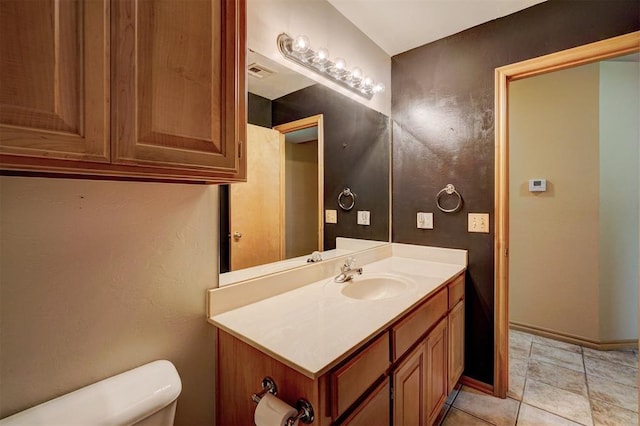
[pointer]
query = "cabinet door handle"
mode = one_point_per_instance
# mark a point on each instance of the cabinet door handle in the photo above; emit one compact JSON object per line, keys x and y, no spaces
{"x":237,"y":235}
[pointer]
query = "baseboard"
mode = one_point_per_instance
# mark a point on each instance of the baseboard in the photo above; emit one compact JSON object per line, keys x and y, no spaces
{"x":576,"y":340}
{"x":476,"y":384}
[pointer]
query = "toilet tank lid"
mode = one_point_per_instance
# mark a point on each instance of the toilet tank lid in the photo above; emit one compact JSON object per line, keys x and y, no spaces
{"x":119,"y":400}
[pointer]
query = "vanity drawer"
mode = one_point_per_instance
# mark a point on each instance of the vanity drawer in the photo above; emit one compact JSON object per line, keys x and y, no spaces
{"x":408,"y":331}
{"x":350,"y":381}
{"x":456,"y":291}
{"x":374,"y":409}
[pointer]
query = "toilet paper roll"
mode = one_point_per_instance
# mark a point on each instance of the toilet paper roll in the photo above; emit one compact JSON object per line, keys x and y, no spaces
{"x":272,"y":411}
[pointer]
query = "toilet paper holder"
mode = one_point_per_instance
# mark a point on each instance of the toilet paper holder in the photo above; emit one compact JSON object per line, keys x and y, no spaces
{"x":268,"y":385}
{"x":305,"y":409}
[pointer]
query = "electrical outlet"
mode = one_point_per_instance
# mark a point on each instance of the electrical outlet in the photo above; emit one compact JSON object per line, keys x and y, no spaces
{"x":425,"y":220}
{"x":364,"y":217}
{"x":479,"y":222}
{"x":331,"y":216}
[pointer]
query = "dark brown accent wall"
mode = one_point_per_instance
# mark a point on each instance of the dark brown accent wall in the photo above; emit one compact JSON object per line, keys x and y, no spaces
{"x":443,"y":132}
{"x":356,"y":155}
{"x":258,"y":110}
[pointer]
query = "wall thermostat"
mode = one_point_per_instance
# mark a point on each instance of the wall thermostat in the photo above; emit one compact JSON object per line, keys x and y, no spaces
{"x":537,"y":185}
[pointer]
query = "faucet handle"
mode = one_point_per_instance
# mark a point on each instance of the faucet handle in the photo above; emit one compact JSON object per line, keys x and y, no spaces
{"x":316,"y":256}
{"x":348,"y":264}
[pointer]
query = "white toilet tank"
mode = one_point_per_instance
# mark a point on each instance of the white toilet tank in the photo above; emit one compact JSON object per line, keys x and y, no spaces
{"x":143,"y":396}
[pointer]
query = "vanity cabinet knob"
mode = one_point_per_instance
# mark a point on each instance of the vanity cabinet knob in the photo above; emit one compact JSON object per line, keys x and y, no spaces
{"x":237,"y":235}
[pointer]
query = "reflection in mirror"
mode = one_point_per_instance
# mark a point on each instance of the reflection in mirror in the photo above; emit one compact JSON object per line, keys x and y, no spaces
{"x":279,"y":208}
{"x":303,"y":186}
{"x":328,"y":142}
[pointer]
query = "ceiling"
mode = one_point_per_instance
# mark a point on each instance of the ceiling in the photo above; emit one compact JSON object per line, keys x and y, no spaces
{"x":278,"y":79}
{"x":415,"y":23}
{"x":400,"y":25}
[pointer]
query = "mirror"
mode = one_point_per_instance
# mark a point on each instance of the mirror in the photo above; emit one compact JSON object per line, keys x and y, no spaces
{"x":340,"y":144}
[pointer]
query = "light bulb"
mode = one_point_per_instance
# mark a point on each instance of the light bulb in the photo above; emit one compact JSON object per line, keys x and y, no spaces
{"x":340,"y":64}
{"x":378,"y":88}
{"x":322,"y":55}
{"x":300,"y":44}
{"x":368,"y":81}
{"x":356,"y":73}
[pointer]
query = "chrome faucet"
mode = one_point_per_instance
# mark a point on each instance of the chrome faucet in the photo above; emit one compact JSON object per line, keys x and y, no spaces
{"x":347,"y":271}
{"x":316,"y":256}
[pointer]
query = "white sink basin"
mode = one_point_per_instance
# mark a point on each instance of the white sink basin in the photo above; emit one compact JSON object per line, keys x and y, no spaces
{"x":375,"y":287}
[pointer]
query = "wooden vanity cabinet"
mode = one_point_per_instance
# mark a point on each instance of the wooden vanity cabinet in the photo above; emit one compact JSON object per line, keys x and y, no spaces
{"x":350,"y":381}
{"x":420,"y":380}
{"x":374,"y":410}
{"x":400,"y":377}
{"x":455,"y":326}
{"x":436,"y":371}
{"x":410,"y":387}
{"x":127,"y":88}
{"x":240,"y":369}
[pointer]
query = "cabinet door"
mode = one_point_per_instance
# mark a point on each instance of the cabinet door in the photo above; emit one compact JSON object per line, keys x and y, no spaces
{"x":436,"y":359}
{"x":456,"y":344}
{"x":409,"y":389}
{"x":54,"y":95}
{"x":179,"y":77}
{"x":374,"y":411}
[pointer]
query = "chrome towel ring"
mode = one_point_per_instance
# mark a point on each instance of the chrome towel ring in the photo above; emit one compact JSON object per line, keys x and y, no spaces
{"x":449,"y":190}
{"x":346,"y":199}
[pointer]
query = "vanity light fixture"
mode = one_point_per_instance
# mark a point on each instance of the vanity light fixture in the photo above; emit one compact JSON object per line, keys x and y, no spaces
{"x":299,"y":51}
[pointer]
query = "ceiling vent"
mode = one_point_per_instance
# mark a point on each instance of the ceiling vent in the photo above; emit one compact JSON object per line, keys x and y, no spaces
{"x":259,"y":71}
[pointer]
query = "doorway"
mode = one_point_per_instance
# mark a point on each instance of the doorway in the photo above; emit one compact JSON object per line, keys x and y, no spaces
{"x":573,"y":259}
{"x":277,"y":213}
{"x":303,"y":172}
{"x":617,"y":46}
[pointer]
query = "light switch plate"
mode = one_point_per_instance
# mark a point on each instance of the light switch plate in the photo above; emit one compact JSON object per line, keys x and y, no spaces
{"x":479,"y":222}
{"x":425,"y":220}
{"x":331,"y":216}
{"x":364,"y":217}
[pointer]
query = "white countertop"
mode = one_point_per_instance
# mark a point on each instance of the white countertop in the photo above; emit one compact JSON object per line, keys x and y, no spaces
{"x":314,"y":327}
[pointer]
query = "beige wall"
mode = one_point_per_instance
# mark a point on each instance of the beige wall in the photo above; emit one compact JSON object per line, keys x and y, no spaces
{"x":619,"y":136}
{"x":553,"y":248}
{"x":98,"y":277}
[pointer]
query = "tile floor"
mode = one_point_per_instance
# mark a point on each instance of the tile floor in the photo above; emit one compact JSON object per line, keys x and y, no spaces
{"x":554,"y":383}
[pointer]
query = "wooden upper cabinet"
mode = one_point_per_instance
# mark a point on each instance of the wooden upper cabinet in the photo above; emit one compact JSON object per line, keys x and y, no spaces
{"x":54,"y":88}
{"x":178,"y":80}
{"x":151,"y":89}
